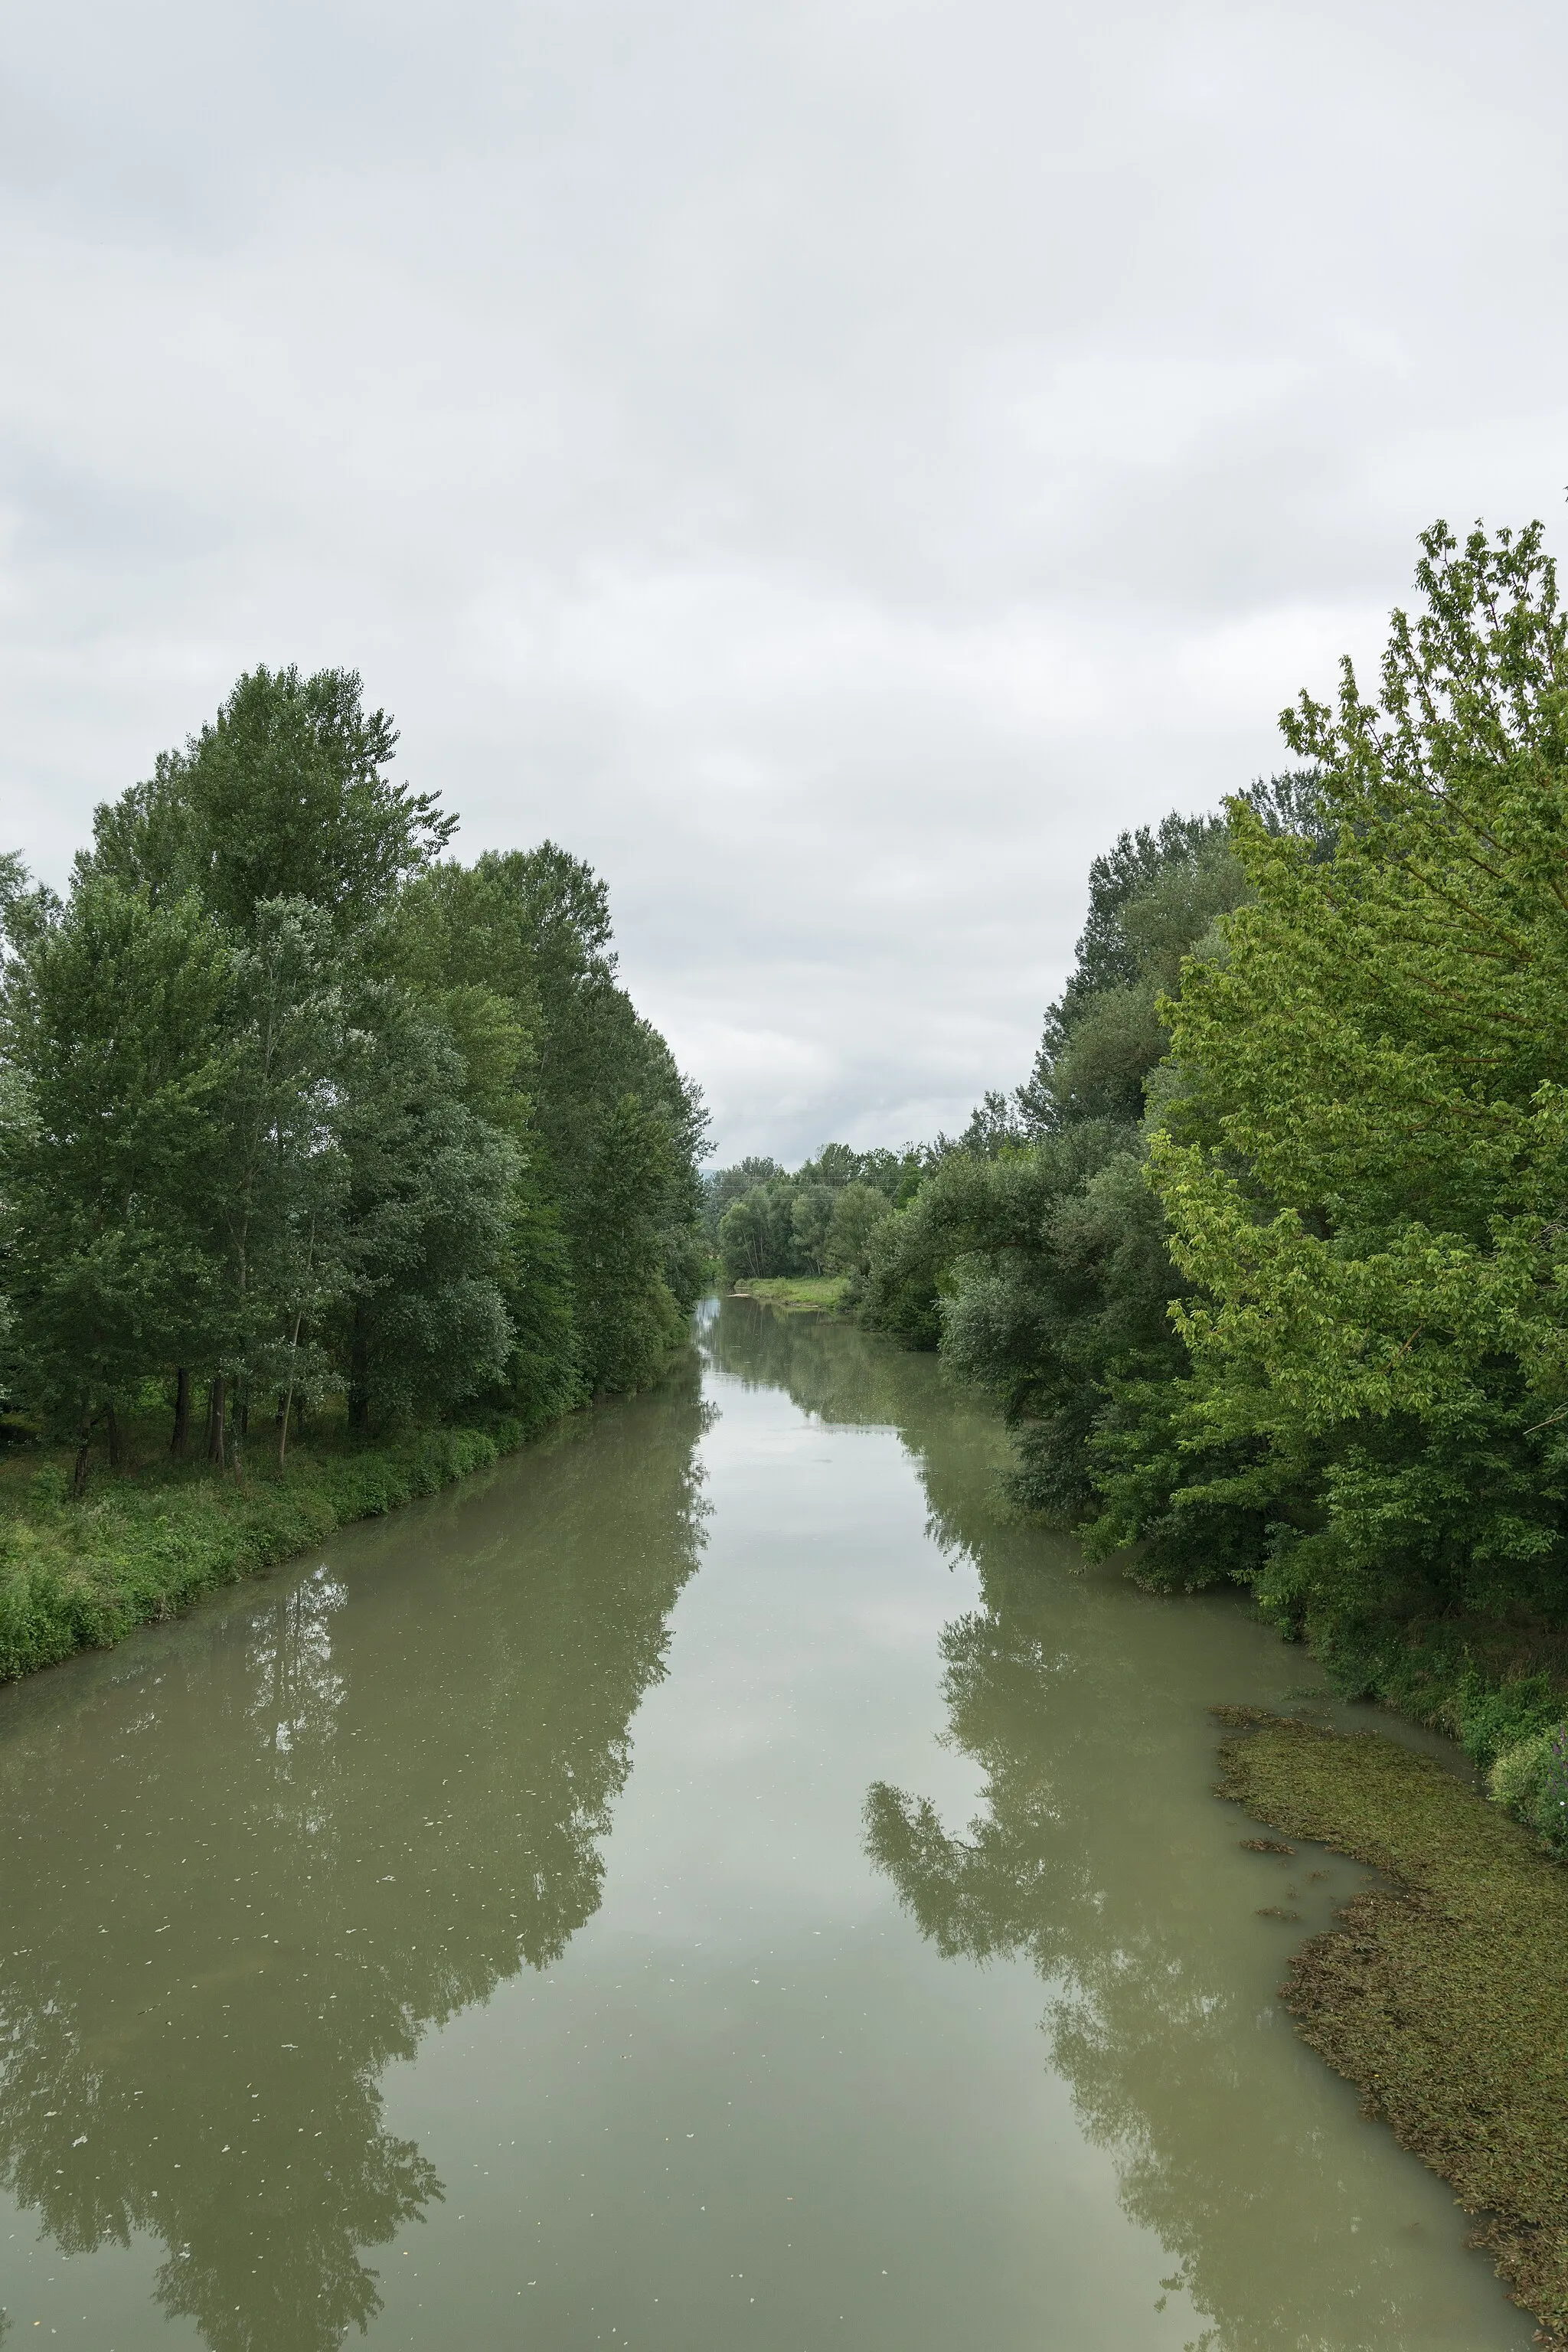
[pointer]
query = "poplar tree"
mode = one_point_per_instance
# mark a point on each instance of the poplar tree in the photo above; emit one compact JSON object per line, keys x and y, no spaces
{"x":117,"y":1072}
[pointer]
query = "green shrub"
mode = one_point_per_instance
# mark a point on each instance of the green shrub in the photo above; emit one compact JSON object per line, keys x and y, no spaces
{"x":1494,"y":1719}
{"x":78,"y":1577}
{"x":1530,"y":1780}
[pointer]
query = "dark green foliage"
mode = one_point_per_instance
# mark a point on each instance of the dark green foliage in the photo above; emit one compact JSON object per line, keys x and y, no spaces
{"x":1040,"y":1266}
{"x":289,"y":1107}
{"x":1151,"y":899}
{"x":1493,"y":1718}
{"x":756,"y":1233}
{"x":725,"y":1186}
{"x":425,"y":1219}
{"x":858,"y":1215}
{"x":529,"y":930}
{"x":284,"y":795}
{"x":116,"y":1030}
{"x":631,"y":1319}
{"x":543,"y":1375}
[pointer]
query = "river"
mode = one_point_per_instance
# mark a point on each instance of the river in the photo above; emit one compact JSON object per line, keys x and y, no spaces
{"x":707,"y":1886}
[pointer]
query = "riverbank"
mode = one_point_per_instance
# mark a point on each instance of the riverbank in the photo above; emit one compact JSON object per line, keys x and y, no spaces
{"x":1444,"y":1996}
{"x":820,"y":1294}
{"x":82,"y":1575}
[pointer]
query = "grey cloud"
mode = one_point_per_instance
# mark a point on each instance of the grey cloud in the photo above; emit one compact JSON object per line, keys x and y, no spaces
{"x":833,"y":466}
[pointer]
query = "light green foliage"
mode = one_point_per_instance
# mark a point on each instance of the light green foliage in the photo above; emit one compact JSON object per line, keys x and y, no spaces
{"x":1530,"y":1780}
{"x":745,"y":1237}
{"x":766,"y":1222}
{"x":1325,"y":1351}
{"x":1363,"y":1186}
{"x":1328,"y":1354}
{"x":798,"y":1294}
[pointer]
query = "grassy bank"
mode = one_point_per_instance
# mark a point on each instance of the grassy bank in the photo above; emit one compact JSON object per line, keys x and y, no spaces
{"x":1445,"y":1996}
{"x":77,"y":1576}
{"x":821,"y":1292}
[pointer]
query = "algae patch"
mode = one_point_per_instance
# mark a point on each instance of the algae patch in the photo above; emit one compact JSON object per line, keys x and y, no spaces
{"x":1445,"y":1996}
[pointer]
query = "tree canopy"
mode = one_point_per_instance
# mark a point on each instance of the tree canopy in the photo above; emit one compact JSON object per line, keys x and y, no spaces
{"x":294,"y":1105}
{"x":1265,"y":1261}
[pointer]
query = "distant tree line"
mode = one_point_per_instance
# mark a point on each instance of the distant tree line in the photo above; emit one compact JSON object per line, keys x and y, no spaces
{"x":295,"y":1106}
{"x":762,"y":1221}
{"x":1266,"y":1261}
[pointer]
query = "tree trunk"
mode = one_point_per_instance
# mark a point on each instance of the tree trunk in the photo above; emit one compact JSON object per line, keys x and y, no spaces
{"x":116,"y":1444}
{"x":217,"y":1395}
{"x":358,"y":1374}
{"x":79,"y":1475}
{"x":285,"y":1401}
{"x":180,"y":1437}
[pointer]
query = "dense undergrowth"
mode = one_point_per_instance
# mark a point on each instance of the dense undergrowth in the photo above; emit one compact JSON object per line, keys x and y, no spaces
{"x":79,"y":1573}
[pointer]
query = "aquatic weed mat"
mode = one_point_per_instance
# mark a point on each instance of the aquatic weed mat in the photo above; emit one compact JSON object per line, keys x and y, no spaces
{"x":1443,"y":1996}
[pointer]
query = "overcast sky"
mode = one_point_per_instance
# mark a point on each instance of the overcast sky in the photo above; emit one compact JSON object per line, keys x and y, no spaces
{"x":831,"y":465}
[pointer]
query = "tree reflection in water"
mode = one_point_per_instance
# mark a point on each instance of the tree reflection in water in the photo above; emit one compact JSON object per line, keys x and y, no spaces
{"x":1095,"y":1856}
{"x":249,"y":1861}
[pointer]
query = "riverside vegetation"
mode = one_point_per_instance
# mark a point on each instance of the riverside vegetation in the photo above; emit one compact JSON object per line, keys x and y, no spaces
{"x":1266,"y":1262}
{"x":329,"y":1166}
{"x":1266,"y":1266}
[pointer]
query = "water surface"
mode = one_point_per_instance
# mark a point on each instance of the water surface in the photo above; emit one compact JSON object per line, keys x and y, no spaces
{"x":709,"y":1886}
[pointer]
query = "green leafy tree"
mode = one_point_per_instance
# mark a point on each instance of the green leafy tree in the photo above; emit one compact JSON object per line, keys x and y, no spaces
{"x":745,"y":1251}
{"x":722,"y":1187}
{"x":1151,"y":898}
{"x":289,"y":1104}
{"x":531,"y":930}
{"x":115,"y":1014}
{"x":630,"y":1319}
{"x":756,"y":1233}
{"x":1365,"y":1184}
{"x":284,"y":794}
{"x":276,"y":1169}
{"x":859,"y":1211}
{"x":429,"y":1233}
{"x":810,"y":1216}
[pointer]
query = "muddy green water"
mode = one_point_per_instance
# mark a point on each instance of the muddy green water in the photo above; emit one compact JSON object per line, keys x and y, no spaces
{"x":708,"y":1888}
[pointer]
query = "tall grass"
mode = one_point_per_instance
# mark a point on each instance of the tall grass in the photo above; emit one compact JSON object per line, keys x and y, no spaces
{"x":77,"y":1576}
